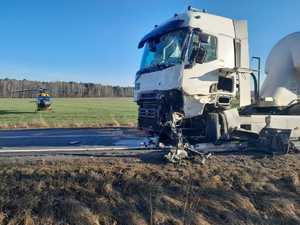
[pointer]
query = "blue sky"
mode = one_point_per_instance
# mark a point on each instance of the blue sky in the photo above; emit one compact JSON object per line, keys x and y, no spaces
{"x":96,"y":40}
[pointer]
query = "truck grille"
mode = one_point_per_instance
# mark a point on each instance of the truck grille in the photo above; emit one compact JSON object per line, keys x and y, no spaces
{"x":154,"y":108}
{"x":149,"y":111}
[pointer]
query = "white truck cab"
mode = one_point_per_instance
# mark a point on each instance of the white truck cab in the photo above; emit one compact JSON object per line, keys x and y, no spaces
{"x":193,"y":64}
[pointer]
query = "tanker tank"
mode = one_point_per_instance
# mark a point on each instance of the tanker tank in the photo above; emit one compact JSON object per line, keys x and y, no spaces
{"x":282,"y":84}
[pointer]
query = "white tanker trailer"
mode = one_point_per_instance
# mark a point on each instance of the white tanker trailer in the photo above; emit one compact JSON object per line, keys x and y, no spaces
{"x":282,"y":85}
{"x":195,"y":72}
{"x":276,"y":114}
{"x":281,"y":89}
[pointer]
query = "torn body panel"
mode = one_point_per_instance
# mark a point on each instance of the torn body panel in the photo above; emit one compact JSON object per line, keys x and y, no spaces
{"x":194,"y":105}
{"x":162,"y":80}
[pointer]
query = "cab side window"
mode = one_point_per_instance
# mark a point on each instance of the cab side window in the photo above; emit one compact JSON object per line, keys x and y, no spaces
{"x":210,"y":47}
{"x":203,"y":48}
{"x":194,"y":45}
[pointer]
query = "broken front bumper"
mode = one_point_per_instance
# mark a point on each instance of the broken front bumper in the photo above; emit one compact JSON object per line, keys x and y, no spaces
{"x":156,"y":107}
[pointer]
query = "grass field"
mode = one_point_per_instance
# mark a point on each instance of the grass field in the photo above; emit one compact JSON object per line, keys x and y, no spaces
{"x":68,"y":112}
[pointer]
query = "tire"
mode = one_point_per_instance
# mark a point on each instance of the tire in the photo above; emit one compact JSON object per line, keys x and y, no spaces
{"x":213,"y":128}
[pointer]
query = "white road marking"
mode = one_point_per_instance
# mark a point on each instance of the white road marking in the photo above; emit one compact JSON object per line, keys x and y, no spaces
{"x":74,"y":149}
{"x":60,"y":136}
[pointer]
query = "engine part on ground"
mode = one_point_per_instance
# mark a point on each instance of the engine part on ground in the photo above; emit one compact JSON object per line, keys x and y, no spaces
{"x":276,"y":141}
{"x":205,"y":157}
{"x":204,"y":151}
{"x":176,"y":155}
{"x":269,"y":140}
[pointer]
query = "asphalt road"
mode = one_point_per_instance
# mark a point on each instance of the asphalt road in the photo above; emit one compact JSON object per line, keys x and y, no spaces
{"x":71,"y":138}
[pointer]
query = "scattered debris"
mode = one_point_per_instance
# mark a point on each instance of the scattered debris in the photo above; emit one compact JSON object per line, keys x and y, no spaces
{"x":151,"y":142}
{"x":176,"y":155}
{"x":205,"y":157}
{"x":274,"y":140}
{"x":74,"y":142}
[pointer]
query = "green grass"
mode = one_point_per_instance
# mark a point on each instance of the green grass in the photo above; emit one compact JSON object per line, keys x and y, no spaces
{"x":68,"y":112}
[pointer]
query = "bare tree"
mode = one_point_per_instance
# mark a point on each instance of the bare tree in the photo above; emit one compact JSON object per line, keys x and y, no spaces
{"x":61,"y":89}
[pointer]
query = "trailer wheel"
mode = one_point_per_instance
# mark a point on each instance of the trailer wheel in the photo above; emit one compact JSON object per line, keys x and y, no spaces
{"x":213,"y":127}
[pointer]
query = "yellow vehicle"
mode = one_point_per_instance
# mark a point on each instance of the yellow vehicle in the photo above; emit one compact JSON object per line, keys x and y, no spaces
{"x":43,"y":99}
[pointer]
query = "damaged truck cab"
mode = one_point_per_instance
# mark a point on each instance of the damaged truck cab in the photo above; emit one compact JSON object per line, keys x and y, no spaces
{"x":193,"y":66}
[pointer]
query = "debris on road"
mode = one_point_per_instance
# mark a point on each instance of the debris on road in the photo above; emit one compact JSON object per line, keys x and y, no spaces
{"x":74,"y":142}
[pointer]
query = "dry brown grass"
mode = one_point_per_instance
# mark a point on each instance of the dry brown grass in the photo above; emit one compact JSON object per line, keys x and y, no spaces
{"x":91,"y":191}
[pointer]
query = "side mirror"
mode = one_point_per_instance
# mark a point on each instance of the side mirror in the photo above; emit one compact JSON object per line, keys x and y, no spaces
{"x":198,"y":52}
{"x":204,"y":38}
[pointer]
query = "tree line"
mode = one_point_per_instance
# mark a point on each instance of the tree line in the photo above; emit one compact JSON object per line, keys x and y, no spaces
{"x":11,"y":88}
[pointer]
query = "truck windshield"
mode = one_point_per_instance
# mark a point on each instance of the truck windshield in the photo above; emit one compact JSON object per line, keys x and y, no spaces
{"x":164,"y":51}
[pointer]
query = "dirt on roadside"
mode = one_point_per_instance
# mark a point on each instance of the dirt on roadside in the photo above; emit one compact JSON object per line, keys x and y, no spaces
{"x":228,"y":189}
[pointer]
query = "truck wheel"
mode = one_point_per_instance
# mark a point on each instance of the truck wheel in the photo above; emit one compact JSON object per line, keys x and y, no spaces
{"x":213,"y":128}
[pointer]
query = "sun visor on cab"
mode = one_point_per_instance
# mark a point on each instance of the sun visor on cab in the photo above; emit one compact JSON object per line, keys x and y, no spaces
{"x":165,"y":28}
